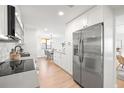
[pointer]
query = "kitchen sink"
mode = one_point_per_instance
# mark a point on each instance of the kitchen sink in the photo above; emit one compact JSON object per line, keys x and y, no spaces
{"x":25,"y":54}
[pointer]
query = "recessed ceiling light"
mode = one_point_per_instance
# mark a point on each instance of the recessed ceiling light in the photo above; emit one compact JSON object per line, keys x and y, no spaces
{"x":60,"y":13}
{"x":45,"y":29}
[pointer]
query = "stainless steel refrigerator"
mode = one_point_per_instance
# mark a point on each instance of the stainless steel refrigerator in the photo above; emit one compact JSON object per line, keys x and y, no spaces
{"x":88,"y":56}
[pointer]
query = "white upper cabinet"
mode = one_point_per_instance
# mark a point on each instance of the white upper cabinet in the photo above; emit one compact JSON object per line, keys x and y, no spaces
{"x":19,"y":29}
{"x":18,"y":16}
{"x":91,"y":17}
{"x":95,"y":15}
{"x":80,"y":22}
{"x":84,"y":18}
{"x":19,"y":32}
{"x":3,"y":19}
{"x":77,"y":23}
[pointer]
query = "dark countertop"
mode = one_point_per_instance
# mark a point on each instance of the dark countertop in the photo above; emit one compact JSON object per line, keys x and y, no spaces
{"x":14,"y":67}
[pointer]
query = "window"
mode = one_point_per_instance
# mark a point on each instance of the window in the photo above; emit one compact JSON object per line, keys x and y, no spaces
{"x":46,"y":43}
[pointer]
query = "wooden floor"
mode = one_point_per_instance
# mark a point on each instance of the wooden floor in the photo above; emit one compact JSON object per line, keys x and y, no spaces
{"x":52,"y":76}
{"x":120,"y":83}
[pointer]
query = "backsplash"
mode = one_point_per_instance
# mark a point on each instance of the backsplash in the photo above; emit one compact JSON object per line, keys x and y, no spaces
{"x":5,"y":49}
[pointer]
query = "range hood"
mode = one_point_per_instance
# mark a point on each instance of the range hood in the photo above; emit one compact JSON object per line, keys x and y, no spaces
{"x":7,"y":39}
{"x":9,"y":23}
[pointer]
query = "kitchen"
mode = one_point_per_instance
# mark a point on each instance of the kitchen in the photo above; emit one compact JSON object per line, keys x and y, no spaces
{"x":50,"y":28}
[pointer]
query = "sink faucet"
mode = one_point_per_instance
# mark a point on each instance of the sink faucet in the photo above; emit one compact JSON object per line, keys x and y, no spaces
{"x":21,"y":50}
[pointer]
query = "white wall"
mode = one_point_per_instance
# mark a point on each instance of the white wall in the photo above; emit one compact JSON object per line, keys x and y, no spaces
{"x":119,"y":28}
{"x":40,"y":51}
{"x":109,"y":47}
{"x":30,"y":42}
{"x":119,"y":20}
{"x":57,"y":43}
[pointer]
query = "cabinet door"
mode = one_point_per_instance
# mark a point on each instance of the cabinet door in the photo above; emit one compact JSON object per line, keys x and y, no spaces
{"x":59,"y":59}
{"x":63,"y":63}
{"x":95,"y":15}
{"x":1,"y":20}
{"x":78,"y":23}
{"x":68,"y":59}
{"x":55,"y":57}
{"x":18,"y":29}
{"x":62,"y":60}
{"x":84,"y":19}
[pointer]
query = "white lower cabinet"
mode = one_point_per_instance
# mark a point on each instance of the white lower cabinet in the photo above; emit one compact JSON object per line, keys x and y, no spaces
{"x":55,"y":58}
{"x":69,"y":58}
{"x":61,"y":60}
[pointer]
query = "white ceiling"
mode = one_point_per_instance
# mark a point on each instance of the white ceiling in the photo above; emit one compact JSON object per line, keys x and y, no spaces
{"x":45,"y":16}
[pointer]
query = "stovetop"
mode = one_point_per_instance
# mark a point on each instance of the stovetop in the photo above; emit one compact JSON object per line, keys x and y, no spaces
{"x":14,"y":67}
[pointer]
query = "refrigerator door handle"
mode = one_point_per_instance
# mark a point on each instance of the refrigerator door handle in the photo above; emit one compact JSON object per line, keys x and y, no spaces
{"x":79,"y":50}
{"x":82,"y":50}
